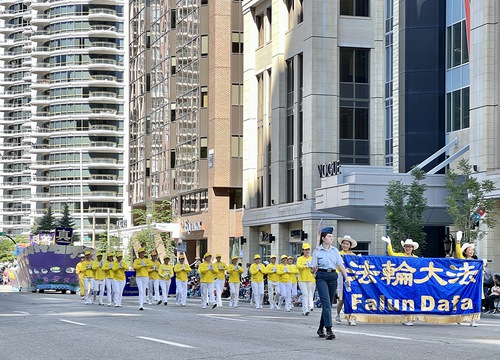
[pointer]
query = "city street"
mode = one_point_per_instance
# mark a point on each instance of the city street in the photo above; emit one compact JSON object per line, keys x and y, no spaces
{"x":60,"y":326}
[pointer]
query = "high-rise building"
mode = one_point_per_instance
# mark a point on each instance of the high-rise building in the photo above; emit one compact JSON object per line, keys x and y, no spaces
{"x":63,"y":113}
{"x":186,"y":117}
{"x":342,"y":97}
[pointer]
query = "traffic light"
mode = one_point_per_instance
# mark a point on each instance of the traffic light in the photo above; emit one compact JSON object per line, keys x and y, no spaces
{"x":303,"y":235}
{"x":243,"y":240}
{"x":271,"y":238}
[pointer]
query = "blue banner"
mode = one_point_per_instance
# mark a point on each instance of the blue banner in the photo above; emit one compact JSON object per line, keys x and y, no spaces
{"x":387,"y":285}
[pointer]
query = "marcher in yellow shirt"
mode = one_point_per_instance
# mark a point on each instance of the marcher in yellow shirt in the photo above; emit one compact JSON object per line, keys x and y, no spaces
{"x":286,"y":272}
{"x":273,"y":282}
{"x":166,"y":272}
{"x":257,"y":271}
{"x":79,"y":272}
{"x":208,"y":273}
{"x":234,"y":270}
{"x":119,"y":278}
{"x":99,"y":277}
{"x":181,"y":269}
{"x":220,"y":279}
{"x":88,"y":266}
{"x":154,"y":279}
{"x":347,"y":243}
{"x":141,"y":267}
{"x":108,"y":281}
{"x":307,"y":283}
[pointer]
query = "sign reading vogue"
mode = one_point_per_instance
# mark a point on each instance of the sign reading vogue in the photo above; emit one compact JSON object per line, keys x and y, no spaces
{"x":194,"y":226}
{"x":329,"y":169}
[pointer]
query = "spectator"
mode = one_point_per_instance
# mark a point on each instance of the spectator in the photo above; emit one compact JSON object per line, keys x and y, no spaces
{"x":493,"y":296}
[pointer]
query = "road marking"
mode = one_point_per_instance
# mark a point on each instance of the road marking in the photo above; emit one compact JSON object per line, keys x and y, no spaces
{"x":53,"y":299}
{"x":72,"y":322}
{"x":222,"y":317}
{"x":166,"y":342}
{"x":373,"y":335}
{"x":22,"y":312}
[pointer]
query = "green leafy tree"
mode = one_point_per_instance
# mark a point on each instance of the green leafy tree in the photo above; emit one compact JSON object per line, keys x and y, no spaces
{"x":404,"y":208}
{"x":467,"y":199}
{"x":47,"y":222}
{"x":102,"y":242}
{"x":6,"y":250}
{"x":67,"y":221}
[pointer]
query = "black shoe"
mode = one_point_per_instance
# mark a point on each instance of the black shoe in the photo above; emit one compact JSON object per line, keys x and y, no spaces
{"x":214,"y":306}
{"x":329,"y":334}
{"x":165,"y":303}
{"x":159,"y":302}
{"x":141,"y":308}
{"x":321,"y":333}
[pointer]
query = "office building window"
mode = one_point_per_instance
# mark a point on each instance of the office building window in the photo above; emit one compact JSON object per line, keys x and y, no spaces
{"x":237,"y":42}
{"x":354,"y":110}
{"x":259,"y":21}
{"x":173,"y":18}
{"x":457,"y":52}
{"x":203,"y":147}
{"x":269,"y":16}
{"x":237,"y":146}
{"x":355,"y":7}
{"x":237,"y":94}
{"x":204,"y":96}
{"x":290,"y":7}
{"x":204,"y":45}
{"x":457,"y":110}
{"x":290,"y":133}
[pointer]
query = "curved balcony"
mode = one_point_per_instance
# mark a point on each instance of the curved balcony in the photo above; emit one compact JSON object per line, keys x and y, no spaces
{"x":40,"y":5}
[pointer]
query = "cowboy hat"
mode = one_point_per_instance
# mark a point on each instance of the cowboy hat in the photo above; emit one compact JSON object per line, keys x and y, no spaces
{"x":410,"y":242}
{"x":465,"y":246}
{"x":353,"y":242}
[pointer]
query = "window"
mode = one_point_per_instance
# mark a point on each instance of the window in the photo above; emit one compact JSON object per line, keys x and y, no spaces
{"x":291,"y":13}
{"x":300,"y":11}
{"x":203,"y":147}
{"x":172,"y":112}
{"x":457,"y":110}
{"x":259,"y":21}
{"x":290,"y":134}
{"x":457,"y":52}
{"x":204,"y":45}
{"x":173,"y":65}
{"x":172,"y":159}
{"x":237,"y":42}
{"x":269,"y":16}
{"x":237,"y":94}
{"x":237,"y":146}
{"x":354,"y":109}
{"x":173,"y":18}
{"x":265,"y":252}
{"x":235,"y":198}
{"x":354,"y":7}
{"x":204,"y":96}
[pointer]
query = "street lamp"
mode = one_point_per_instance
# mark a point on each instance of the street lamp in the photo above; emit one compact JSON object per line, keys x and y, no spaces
{"x":448,"y":244}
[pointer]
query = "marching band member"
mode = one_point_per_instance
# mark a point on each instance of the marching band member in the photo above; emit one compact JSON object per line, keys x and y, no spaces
{"x":234,"y":270}
{"x":273,"y":283}
{"x":108,"y":281}
{"x":119,"y":278}
{"x":166,"y":272}
{"x":220,"y":278}
{"x":141,"y":266}
{"x":257,"y":271}
{"x":154,"y":279}
{"x":181,"y":270}
{"x":347,"y":243}
{"x":307,"y":283}
{"x":207,"y":272}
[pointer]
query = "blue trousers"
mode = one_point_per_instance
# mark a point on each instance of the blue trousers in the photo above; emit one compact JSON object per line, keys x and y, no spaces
{"x":326,"y":284}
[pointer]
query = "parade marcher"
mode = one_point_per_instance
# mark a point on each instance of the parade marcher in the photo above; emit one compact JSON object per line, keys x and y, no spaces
{"x":108,"y":281}
{"x":295,"y":273}
{"x":307,"y":284}
{"x":466,"y":251}
{"x":99,"y":279}
{"x":79,"y":271}
{"x":234,"y":270}
{"x":154,"y":280}
{"x":408,"y":245}
{"x":181,"y":279}
{"x":257,"y":271}
{"x":207,"y":272}
{"x":220,"y":279}
{"x":273,"y":282}
{"x":325,"y":260}
{"x":88,"y":266}
{"x":119,"y":278}
{"x":141,"y":266}
{"x":347,"y":243}
{"x":166,"y":272}
{"x":286,"y":271}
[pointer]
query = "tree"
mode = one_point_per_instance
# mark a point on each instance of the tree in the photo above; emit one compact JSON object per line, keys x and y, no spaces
{"x":47,"y":222}
{"x":7,"y":248}
{"x":66,"y":221}
{"x":404,"y":208}
{"x":467,"y":203}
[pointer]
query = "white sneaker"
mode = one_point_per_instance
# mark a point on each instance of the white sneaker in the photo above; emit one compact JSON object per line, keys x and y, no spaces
{"x":408,"y":323}
{"x":473,"y":323}
{"x":351,"y":323}
{"x":337,"y":320}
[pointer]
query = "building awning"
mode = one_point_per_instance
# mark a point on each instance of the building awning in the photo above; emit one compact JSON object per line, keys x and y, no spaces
{"x":359,"y":193}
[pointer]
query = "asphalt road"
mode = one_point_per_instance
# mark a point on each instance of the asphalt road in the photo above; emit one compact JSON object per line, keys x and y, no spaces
{"x":56,"y":326}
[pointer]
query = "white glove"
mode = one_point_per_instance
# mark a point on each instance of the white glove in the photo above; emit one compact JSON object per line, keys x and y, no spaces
{"x":154,"y":268}
{"x":386,"y":239}
{"x":143,"y":263}
{"x":286,"y":269}
{"x":210,"y":267}
{"x":89,"y":266}
{"x":236,"y":268}
{"x":460,"y":234}
{"x":220,"y":267}
{"x":182,"y":267}
{"x":100,"y":263}
{"x":121,"y":264}
{"x":308,"y":264}
{"x":110,"y":265}
{"x":274,"y":269}
{"x":258,"y":267}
